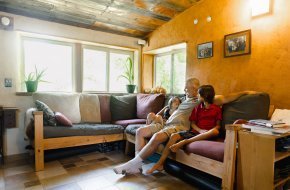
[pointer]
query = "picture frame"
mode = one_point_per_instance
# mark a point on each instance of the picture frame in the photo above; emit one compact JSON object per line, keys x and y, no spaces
{"x":237,"y":44}
{"x":205,"y":50}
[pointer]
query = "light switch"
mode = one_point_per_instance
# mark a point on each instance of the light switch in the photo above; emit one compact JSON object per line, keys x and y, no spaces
{"x":8,"y":82}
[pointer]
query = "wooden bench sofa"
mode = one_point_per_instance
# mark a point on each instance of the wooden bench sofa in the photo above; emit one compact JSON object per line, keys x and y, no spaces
{"x":222,"y":166}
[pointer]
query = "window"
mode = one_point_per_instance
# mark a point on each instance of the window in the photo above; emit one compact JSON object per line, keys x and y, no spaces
{"x":94,"y":70}
{"x":102,"y":68}
{"x":170,"y":70}
{"x":72,"y":65}
{"x":53,"y":57}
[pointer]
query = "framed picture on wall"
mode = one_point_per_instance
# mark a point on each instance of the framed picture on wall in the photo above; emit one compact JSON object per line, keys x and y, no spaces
{"x":237,"y":43}
{"x":205,"y":50}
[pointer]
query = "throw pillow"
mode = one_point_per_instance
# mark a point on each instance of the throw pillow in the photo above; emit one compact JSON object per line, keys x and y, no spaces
{"x":123,"y":107}
{"x":48,"y":115}
{"x":105,"y":107}
{"x":62,"y":120}
{"x":147,"y":103}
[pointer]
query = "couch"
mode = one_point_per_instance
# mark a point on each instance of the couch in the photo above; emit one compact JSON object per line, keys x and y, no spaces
{"x":216,"y":157}
{"x":121,"y":116}
{"x":95,"y":118}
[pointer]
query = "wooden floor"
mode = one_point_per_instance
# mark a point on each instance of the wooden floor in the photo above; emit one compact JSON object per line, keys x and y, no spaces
{"x":82,"y":172}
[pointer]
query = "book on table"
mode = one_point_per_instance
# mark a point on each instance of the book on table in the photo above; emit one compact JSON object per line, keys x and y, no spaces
{"x":267,"y":123}
{"x":277,"y":128}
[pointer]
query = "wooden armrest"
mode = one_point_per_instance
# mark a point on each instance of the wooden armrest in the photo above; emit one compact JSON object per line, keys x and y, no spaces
{"x":38,"y":140}
{"x":233,"y":127}
{"x":37,"y":113}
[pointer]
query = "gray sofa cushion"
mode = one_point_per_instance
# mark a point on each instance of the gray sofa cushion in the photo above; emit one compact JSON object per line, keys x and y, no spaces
{"x":255,"y":106}
{"x":82,"y":130}
{"x":131,"y":129}
{"x":123,"y":107}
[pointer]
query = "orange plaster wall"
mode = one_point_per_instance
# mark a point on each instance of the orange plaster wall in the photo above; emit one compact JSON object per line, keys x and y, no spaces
{"x":267,"y":69}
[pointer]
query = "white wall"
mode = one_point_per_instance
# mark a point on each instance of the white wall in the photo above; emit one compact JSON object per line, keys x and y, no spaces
{"x":10,"y":61}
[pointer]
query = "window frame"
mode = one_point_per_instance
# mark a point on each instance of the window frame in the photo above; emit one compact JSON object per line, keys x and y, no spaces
{"x":49,"y":41}
{"x":171,"y":53}
{"x":108,"y":51}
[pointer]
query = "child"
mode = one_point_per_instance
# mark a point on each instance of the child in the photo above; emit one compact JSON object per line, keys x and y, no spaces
{"x":205,"y":123}
{"x":173,"y":104}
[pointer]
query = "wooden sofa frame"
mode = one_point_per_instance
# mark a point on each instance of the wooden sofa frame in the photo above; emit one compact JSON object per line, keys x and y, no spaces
{"x":41,"y":144}
{"x":224,"y":170}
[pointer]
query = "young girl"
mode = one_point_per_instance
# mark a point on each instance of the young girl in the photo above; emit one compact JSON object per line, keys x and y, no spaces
{"x":205,"y":123}
{"x":173,"y":104}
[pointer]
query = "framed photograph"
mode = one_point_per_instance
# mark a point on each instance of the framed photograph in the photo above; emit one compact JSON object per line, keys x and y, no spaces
{"x":205,"y":50}
{"x":237,"y":44}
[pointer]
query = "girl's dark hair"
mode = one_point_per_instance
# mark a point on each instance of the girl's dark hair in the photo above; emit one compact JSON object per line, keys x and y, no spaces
{"x":171,"y":100}
{"x":207,"y":93}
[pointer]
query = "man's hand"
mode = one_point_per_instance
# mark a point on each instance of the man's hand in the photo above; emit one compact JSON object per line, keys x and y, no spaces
{"x":251,"y":92}
{"x":220,"y":99}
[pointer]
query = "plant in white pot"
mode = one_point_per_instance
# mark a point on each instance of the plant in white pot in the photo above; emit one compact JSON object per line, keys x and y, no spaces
{"x":129,"y":75}
{"x":32,"y":80}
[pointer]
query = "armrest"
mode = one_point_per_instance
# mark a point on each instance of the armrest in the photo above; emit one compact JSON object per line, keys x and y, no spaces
{"x":38,"y":140}
{"x":38,"y":126}
{"x":233,"y":127}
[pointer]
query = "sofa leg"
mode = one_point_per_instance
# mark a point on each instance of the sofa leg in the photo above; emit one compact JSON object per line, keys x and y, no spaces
{"x":229,"y":160}
{"x":39,"y":159}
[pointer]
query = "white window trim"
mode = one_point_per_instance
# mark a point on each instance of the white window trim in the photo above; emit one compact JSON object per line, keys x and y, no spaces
{"x":171,"y":53}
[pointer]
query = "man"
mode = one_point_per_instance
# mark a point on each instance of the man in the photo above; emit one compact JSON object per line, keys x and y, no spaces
{"x":178,"y":121}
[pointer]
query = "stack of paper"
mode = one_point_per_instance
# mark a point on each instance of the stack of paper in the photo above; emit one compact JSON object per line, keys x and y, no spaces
{"x":267,"y":127}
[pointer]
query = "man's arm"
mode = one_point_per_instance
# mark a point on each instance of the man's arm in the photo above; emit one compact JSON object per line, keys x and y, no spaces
{"x":221,"y":99}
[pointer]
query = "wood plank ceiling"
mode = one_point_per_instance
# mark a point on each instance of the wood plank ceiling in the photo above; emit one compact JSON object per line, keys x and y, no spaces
{"x":135,"y":18}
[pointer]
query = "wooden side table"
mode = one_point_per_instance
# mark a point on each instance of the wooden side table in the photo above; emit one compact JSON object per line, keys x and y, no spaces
{"x":7,"y":120}
{"x":257,"y":158}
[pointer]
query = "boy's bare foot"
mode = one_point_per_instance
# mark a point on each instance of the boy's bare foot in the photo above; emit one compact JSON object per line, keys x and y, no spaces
{"x":157,"y":167}
{"x":175,"y":147}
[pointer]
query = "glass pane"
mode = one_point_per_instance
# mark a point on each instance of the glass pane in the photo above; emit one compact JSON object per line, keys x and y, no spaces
{"x":55,"y":59}
{"x":94,"y":70}
{"x":179,"y":72}
{"x":117,"y":68}
{"x":162,"y":73}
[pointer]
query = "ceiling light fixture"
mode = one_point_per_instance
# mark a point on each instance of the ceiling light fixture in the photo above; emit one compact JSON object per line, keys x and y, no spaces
{"x":195,"y":21}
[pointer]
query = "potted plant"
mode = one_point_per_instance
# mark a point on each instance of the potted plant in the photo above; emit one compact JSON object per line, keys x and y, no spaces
{"x":32,"y":80}
{"x":129,"y":75}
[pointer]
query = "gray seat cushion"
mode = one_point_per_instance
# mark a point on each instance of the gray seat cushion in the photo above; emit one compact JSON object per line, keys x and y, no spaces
{"x":82,"y":130}
{"x":131,"y":129}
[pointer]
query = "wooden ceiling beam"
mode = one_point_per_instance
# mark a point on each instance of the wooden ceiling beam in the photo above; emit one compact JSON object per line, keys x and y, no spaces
{"x":69,"y":15}
{"x":132,"y":8}
{"x":73,"y":22}
{"x":135,"y":18}
{"x":166,"y":4}
{"x":103,"y":19}
{"x":101,"y":11}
